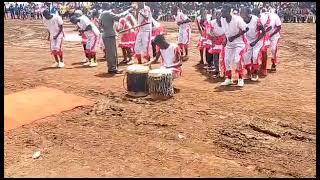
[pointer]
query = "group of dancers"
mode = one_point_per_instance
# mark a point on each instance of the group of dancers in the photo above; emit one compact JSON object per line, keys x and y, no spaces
{"x":227,"y":39}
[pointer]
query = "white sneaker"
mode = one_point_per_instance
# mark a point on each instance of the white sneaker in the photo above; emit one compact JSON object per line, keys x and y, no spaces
{"x":254,"y":78}
{"x":240,"y":82}
{"x":87,"y":63}
{"x":226,"y":82}
{"x":61,"y":65}
{"x":93,"y":64}
{"x":55,"y":64}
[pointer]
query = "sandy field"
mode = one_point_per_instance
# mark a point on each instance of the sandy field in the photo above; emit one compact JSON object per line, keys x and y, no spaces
{"x":265,"y":129}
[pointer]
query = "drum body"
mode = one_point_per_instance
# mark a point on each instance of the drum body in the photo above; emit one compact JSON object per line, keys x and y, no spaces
{"x":160,"y":82}
{"x":137,"y":80}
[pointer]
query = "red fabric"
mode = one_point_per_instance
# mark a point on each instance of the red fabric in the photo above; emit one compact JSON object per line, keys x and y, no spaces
{"x":127,"y":39}
{"x":229,"y":74}
{"x":255,"y":67}
{"x":240,"y":69}
{"x":222,"y":62}
{"x":94,"y":43}
{"x":84,"y":38}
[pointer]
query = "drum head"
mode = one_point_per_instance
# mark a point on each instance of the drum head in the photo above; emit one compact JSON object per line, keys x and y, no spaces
{"x":137,"y":68}
{"x":159,"y":72}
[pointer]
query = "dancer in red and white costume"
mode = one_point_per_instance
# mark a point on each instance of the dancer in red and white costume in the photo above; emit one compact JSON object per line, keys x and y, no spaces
{"x":255,"y":34}
{"x":217,"y":36}
{"x":84,"y":39}
{"x":265,"y":21}
{"x":142,"y":46}
{"x":184,"y":36}
{"x":200,"y":24}
{"x":235,"y":29}
{"x":96,"y":21}
{"x":54,"y":24}
{"x":92,"y":33}
{"x":275,"y":24}
{"x":127,"y":39}
{"x":171,"y":56}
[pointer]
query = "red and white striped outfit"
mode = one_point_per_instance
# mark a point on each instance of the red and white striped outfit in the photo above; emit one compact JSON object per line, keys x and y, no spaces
{"x":203,"y":41}
{"x":127,"y":39}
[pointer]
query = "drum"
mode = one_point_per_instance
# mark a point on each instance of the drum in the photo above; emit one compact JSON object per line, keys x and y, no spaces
{"x":137,"y":78}
{"x":160,"y":83}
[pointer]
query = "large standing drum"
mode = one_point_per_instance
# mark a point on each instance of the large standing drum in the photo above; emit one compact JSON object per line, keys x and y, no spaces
{"x":160,"y":84}
{"x":137,"y":80}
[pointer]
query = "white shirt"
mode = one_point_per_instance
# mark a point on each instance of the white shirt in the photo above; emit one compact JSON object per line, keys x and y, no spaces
{"x":264,"y":18}
{"x":274,"y":21}
{"x":84,"y":22}
{"x":169,"y":56}
{"x":216,"y":29}
{"x":182,"y":17}
{"x":253,"y":26}
{"x":53,"y":25}
{"x":141,"y":20}
{"x":233,"y":28}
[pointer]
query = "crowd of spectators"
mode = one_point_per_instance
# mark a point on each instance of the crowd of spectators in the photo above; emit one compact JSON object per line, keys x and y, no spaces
{"x":289,"y":12}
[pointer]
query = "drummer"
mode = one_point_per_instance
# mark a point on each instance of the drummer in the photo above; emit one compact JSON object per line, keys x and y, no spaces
{"x":171,"y":56}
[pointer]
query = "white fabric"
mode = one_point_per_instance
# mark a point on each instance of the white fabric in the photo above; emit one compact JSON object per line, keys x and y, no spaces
{"x":55,"y":44}
{"x":143,"y":43}
{"x":141,"y":20}
{"x":233,"y":28}
{"x":184,"y":36}
{"x":53,"y":25}
{"x":84,"y":22}
{"x":216,"y":30}
{"x":253,"y":54}
{"x":169,"y":55}
{"x":264,"y":18}
{"x":273,"y":46}
{"x":274,"y":21}
{"x":252,"y":32}
{"x":182,"y":17}
{"x":92,"y":43}
{"x":184,"y":29}
{"x":232,"y":56}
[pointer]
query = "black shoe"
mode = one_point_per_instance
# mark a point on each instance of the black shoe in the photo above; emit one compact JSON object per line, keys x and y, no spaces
{"x":200,"y":63}
{"x":115,"y":72}
{"x":124,"y":62}
{"x":273,"y":68}
{"x":216,"y":74}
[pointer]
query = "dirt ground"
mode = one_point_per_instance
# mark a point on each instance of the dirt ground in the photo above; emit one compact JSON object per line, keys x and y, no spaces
{"x":265,"y":129}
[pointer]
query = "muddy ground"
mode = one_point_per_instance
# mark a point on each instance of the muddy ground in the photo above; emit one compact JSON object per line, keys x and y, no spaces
{"x":265,"y":129}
